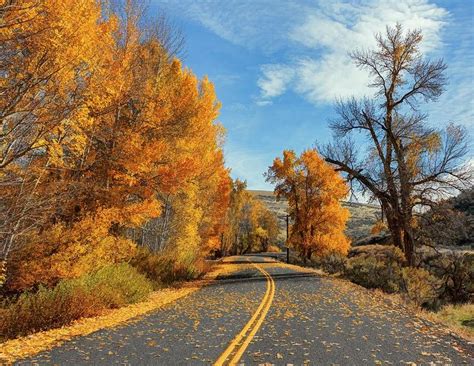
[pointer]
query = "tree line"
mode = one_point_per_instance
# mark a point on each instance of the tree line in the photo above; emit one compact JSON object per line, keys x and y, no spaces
{"x":106,"y":141}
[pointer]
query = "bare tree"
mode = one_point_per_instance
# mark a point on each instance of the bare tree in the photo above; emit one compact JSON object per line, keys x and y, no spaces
{"x":408,"y":164}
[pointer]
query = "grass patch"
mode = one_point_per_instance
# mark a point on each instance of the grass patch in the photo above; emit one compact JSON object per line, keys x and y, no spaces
{"x":459,"y":317}
{"x":110,"y":287}
{"x":163,"y":270}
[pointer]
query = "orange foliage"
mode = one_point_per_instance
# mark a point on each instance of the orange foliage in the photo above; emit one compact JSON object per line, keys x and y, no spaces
{"x":127,"y":127}
{"x":313,"y":190}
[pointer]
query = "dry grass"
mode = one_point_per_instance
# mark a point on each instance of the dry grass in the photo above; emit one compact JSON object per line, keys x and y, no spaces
{"x":458,"y":318}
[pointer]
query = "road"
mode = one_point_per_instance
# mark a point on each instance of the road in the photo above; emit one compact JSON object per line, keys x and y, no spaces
{"x":269,"y":313}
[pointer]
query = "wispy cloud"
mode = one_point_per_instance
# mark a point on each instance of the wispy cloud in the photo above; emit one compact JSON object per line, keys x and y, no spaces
{"x":335,"y":29}
{"x":262,"y":24}
{"x":249,"y":164}
{"x":263,"y":102}
{"x":274,"y":81}
{"x":456,"y":104}
{"x":225,"y":79}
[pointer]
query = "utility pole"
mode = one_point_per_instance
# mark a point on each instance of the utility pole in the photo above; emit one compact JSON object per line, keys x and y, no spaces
{"x":287,"y":237}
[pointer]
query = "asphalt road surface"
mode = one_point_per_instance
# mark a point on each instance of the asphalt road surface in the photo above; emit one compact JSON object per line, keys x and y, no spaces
{"x":269,"y":313}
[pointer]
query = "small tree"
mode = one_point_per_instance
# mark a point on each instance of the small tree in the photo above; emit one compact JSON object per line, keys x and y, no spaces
{"x":269,"y":223}
{"x":407,"y":163}
{"x":313,"y":190}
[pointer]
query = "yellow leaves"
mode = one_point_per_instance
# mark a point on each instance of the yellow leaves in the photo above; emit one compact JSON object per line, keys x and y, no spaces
{"x":137,"y":214}
{"x":433,"y":142}
{"x":3,"y":272}
{"x":55,"y":152}
{"x":378,"y":227}
{"x":420,"y":146}
{"x":28,"y":346}
{"x":261,"y":233}
{"x":66,"y":252}
{"x":125,"y":127}
{"x":313,"y":190}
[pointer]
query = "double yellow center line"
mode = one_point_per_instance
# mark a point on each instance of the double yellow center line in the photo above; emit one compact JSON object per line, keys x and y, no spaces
{"x":239,"y":344}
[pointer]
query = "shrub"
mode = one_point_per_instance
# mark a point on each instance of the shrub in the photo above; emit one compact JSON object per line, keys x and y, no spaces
{"x":420,"y":285}
{"x":118,"y":285}
{"x":71,"y":299}
{"x":163,"y":268}
{"x":375,"y":266}
{"x":273,"y":249}
{"x":386,"y":253}
{"x":373,"y":273}
{"x":456,"y":271}
{"x":333,"y":262}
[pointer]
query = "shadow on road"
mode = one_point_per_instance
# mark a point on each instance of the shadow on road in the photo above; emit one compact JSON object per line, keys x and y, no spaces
{"x":249,"y":276}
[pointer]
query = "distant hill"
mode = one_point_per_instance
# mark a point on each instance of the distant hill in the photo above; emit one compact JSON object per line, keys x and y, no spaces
{"x":363,"y":216}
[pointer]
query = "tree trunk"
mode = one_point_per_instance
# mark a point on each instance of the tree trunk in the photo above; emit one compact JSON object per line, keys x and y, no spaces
{"x":401,"y":234}
{"x":409,"y":244}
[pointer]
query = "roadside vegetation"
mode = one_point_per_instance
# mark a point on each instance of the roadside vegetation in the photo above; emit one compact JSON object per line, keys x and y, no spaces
{"x":313,"y":191}
{"x":440,"y":285}
{"x":249,"y":225}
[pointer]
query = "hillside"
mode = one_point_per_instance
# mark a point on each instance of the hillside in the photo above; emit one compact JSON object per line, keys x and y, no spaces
{"x":363,"y":216}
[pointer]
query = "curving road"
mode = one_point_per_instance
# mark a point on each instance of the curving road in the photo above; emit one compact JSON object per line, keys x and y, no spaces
{"x":269,"y":313}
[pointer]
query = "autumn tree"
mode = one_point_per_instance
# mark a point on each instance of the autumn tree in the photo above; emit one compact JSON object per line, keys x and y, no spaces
{"x":408,"y":164}
{"x":313,"y":190}
{"x":140,"y":147}
{"x":267,"y":230}
{"x":238,"y":198}
{"x":49,"y":53}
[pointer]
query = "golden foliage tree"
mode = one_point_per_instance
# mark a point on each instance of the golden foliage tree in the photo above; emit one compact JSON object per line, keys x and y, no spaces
{"x":120,"y":137}
{"x":314,"y":191}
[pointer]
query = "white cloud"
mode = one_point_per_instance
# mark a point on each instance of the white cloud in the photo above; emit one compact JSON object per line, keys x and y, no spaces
{"x":312,"y":38}
{"x":274,"y":81}
{"x":263,"y":103}
{"x":330,"y":77}
{"x":336,"y":28}
{"x":339,"y":26}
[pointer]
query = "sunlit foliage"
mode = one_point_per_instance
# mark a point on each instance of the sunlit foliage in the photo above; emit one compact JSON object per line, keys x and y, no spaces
{"x":105,"y":135}
{"x":249,"y":226}
{"x":313,"y":190}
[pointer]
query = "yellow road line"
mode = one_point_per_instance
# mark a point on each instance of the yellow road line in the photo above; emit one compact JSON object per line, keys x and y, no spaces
{"x":241,"y":341}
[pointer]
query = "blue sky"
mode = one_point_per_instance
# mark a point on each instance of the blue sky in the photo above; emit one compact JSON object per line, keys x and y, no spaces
{"x":279,"y":65}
